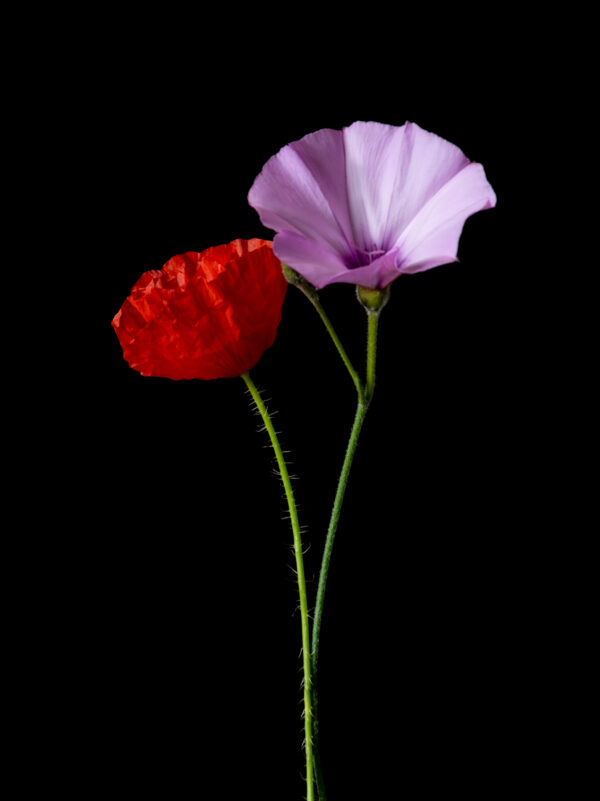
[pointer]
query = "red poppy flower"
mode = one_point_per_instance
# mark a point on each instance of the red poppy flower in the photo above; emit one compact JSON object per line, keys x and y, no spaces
{"x":204,"y":315}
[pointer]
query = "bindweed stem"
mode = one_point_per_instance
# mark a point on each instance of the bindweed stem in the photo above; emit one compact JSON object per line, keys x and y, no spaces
{"x":359,"y":417}
{"x":340,"y":348}
{"x":361,"y":410}
{"x":306,"y":661}
{"x":311,"y":293}
{"x":371,"y":352}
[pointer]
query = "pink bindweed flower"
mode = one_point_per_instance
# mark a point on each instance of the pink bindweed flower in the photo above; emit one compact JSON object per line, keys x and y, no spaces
{"x":368,"y":203}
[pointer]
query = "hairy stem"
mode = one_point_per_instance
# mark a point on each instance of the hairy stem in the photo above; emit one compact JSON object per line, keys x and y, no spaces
{"x":306,"y":661}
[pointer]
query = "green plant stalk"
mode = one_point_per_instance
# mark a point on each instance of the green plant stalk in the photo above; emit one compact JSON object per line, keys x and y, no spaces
{"x":361,"y":410}
{"x":359,"y":417}
{"x":297,"y":280}
{"x":336,"y":341}
{"x":371,"y":352}
{"x":306,"y":660}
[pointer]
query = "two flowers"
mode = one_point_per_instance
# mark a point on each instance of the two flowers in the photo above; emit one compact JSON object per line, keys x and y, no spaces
{"x":363,"y":205}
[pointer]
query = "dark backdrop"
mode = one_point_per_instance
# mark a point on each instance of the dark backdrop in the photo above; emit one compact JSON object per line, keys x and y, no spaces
{"x":178,"y":598}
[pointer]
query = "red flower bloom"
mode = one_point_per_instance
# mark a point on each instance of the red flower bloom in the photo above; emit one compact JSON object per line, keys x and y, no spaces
{"x":204,"y":315}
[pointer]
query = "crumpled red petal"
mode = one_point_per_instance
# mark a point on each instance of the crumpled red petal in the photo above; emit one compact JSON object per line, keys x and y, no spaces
{"x":204,"y":315}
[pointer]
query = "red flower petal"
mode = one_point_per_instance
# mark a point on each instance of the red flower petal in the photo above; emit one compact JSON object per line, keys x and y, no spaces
{"x":204,"y":315}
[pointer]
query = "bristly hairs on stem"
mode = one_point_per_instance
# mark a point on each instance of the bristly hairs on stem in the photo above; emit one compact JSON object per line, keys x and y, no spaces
{"x":305,"y":626}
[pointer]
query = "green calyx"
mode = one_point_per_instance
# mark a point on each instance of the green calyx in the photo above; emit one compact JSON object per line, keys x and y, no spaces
{"x":373,"y":299}
{"x":294,"y":278}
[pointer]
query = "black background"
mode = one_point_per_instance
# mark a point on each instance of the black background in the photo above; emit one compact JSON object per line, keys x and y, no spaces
{"x":172,"y":618}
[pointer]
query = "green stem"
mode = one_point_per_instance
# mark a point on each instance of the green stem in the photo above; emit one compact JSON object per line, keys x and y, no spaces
{"x":336,"y":341}
{"x":359,"y":417}
{"x":308,"y":723}
{"x":371,"y":352}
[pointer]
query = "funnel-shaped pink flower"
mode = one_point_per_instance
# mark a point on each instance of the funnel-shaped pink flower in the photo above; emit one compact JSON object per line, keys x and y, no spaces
{"x":365,"y":204}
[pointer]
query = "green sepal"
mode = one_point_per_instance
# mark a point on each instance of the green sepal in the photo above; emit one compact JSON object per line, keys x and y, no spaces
{"x":373,"y":299}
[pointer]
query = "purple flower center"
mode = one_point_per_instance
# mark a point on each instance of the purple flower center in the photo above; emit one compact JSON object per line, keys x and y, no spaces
{"x":362,"y":258}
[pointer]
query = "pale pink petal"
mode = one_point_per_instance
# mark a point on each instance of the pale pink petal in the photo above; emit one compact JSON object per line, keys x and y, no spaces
{"x":317,"y":262}
{"x":391,"y":173}
{"x":302,"y":190}
{"x":432,"y":236}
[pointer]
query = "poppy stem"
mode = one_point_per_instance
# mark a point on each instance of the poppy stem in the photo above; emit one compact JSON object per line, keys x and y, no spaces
{"x":361,"y":410}
{"x":289,"y":493}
